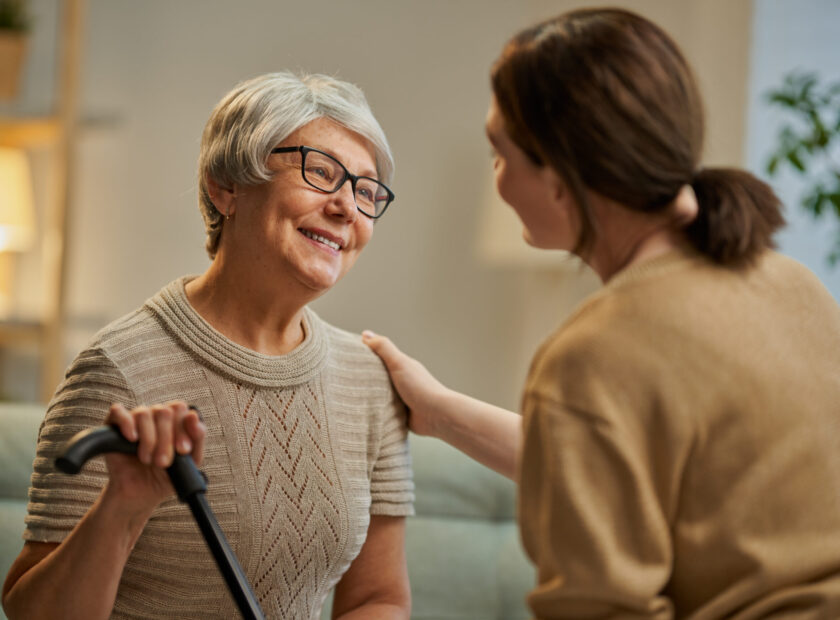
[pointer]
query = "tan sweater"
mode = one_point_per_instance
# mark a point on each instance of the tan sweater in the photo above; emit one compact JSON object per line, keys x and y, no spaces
{"x":682,"y":448}
{"x":301,"y":450}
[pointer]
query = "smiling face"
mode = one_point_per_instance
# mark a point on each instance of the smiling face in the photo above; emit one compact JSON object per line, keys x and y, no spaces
{"x":536,"y":193}
{"x":288,"y":229}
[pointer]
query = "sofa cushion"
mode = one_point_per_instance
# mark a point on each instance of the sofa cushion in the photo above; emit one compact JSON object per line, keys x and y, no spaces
{"x":18,"y":432}
{"x":450,"y":484}
{"x":19,"y":424}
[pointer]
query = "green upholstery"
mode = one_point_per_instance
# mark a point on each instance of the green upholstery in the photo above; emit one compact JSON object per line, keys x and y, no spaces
{"x":465,"y":560}
{"x":18,"y":432}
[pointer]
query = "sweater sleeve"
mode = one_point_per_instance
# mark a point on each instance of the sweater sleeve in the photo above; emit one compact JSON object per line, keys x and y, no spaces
{"x":591,"y":519}
{"x":392,"y":482}
{"x":605,"y":450}
{"x":56,"y":500}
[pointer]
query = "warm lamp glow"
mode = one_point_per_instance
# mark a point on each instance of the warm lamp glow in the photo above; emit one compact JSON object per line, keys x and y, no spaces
{"x":17,"y":219}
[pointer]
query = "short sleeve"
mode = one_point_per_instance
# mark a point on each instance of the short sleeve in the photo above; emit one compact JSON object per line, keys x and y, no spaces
{"x":392,"y":482}
{"x":56,"y":500}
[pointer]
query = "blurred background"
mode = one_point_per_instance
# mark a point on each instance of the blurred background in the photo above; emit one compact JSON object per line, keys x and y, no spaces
{"x":113,"y":94}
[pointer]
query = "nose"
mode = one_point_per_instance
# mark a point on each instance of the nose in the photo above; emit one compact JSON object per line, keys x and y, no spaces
{"x":342,"y":203}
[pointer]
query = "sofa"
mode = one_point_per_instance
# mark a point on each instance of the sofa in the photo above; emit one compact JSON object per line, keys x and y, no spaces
{"x":465,"y":560}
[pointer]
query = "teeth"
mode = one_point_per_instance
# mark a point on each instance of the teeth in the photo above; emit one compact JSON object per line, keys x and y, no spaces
{"x":321,"y":239}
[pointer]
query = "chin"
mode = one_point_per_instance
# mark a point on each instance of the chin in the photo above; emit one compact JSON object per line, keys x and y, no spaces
{"x":319,"y":283}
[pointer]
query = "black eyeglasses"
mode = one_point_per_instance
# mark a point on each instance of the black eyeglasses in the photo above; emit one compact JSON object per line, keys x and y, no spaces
{"x":327,"y":174}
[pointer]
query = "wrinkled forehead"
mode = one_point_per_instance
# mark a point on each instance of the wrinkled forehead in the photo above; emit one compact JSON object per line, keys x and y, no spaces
{"x":353,"y":150}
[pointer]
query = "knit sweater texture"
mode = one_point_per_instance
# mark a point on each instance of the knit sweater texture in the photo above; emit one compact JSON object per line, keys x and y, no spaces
{"x":300,"y":450}
{"x":681,"y":452}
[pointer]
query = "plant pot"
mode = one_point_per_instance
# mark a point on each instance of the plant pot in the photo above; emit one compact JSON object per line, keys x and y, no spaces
{"x":12,"y":54}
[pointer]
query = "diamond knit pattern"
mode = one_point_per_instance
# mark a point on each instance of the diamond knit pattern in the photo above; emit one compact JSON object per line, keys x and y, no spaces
{"x":296,"y":493}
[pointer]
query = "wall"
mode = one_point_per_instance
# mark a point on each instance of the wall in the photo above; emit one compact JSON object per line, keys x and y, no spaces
{"x":787,"y":36}
{"x":154,"y":69}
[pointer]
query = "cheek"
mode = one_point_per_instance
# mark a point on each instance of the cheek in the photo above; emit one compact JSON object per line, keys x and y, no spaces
{"x":503,"y":181}
{"x":364,"y":232}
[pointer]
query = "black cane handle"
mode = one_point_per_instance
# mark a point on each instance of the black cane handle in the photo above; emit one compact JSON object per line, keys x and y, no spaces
{"x":92,"y":442}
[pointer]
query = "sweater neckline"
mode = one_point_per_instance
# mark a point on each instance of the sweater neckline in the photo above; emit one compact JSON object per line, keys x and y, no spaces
{"x":242,"y":364}
{"x":664,"y":263}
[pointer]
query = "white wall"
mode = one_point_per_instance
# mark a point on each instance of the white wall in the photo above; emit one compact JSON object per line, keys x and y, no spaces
{"x":154,"y":69}
{"x":790,"y":35}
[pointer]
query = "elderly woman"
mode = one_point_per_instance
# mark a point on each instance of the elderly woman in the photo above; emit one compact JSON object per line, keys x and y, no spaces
{"x":301,"y":435}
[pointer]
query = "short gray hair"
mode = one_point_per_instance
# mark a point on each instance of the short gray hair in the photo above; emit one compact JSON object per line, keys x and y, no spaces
{"x":261,"y":112}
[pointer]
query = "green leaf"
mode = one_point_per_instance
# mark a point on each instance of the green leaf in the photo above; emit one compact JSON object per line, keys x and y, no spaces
{"x":813,"y":203}
{"x":835,"y":200}
{"x":782,"y":99}
{"x":772,"y":165}
{"x":793,"y":158}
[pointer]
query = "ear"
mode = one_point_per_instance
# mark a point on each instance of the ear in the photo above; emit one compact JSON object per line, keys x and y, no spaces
{"x":557,"y":190}
{"x":223,"y":197}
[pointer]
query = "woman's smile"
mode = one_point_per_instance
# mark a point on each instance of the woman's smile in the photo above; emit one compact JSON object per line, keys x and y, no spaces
{"x":322,"y":238}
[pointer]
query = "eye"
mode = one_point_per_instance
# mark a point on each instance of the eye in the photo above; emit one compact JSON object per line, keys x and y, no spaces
{"x":365,"y":193}
{"x":319,"y":171}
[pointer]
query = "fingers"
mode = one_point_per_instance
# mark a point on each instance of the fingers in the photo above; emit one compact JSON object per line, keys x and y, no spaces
{"x":163,"y":417}
{"x":122,"y":419}
{"x":160,"y":431}
{"x":384,"y":348}
{"x":196,"y":431}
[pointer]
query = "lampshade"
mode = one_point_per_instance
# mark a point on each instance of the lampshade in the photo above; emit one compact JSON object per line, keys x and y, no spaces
{"x":17,"y":212}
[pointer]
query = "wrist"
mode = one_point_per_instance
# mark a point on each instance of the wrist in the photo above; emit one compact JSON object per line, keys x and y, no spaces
{"x":445,"y":408}
{"x":123,"y":513}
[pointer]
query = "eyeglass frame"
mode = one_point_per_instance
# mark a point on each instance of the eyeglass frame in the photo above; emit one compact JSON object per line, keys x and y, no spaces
{"x":303,"y":150}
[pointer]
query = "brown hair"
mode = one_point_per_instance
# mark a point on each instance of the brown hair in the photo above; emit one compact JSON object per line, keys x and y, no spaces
{"x":606,"y":99}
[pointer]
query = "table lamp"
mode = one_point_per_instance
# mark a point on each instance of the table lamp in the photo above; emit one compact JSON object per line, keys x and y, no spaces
{"x":17,"y":218}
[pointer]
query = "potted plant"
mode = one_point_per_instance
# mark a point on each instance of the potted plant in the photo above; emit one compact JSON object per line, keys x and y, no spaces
{"x":14,"y":26}
{"x":810,"y":145}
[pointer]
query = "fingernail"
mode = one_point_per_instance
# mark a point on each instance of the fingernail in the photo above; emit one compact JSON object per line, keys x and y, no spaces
{"x":367,"y":334}
{"x":184,"y":446}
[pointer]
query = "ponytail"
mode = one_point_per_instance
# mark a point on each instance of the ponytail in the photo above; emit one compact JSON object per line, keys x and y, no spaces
{"x":737,"y":216}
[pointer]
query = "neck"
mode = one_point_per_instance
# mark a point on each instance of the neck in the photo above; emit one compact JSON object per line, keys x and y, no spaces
{"x":252,"y":312}
{"x":628,"y":238}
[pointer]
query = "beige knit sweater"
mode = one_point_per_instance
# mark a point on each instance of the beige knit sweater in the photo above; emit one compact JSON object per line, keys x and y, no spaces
{"x":682,"y":448}
{"x":301,"y":450}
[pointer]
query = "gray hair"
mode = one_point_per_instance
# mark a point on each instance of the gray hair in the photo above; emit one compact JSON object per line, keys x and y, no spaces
{"x":261,"y":112}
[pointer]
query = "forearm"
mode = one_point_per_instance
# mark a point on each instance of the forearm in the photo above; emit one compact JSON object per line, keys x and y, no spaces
{"x":489,"y":434}
{"x":377,"y":611}
{"x":79,"y":579}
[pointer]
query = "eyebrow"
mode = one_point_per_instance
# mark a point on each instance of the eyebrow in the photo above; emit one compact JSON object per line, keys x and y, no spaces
{"x":370,"y":174}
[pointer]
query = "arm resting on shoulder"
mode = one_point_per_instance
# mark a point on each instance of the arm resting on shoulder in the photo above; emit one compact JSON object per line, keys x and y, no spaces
{"x":376,"y":584}
{"x":489,"y":434}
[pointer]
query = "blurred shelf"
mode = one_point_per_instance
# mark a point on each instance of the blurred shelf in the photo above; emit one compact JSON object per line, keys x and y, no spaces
{"x":20,"y":331}
{"x":29,"y":132}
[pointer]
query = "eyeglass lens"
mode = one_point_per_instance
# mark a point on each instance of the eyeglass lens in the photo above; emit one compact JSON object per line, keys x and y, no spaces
{"x":327,"y":174}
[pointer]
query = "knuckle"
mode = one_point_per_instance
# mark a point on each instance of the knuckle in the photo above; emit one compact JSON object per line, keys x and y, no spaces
{"x":163,"y":413}
{"x":141,"y":414}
